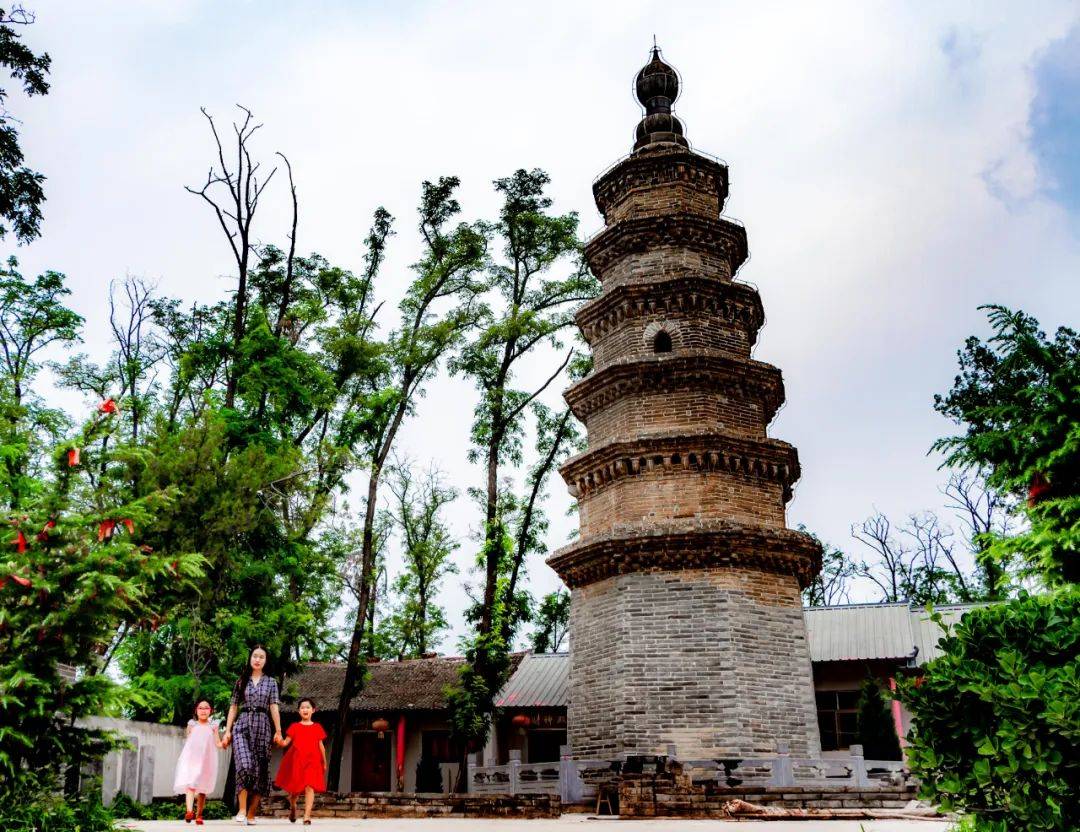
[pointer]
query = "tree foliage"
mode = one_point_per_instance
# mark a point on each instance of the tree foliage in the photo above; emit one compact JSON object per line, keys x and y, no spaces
{"x":552,"y":621}
{"x":21,"y":191}
{"x":1018,"y":397}
{"x":997,"y":720}
{"x":997,"y":716}
{"x":434,"y":315}
{"x":417,"y":622}
{"x":877,"y":732}
{"x":74,"y":573}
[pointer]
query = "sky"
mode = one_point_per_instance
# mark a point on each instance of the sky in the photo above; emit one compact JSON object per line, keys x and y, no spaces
{"x":896,"y":166}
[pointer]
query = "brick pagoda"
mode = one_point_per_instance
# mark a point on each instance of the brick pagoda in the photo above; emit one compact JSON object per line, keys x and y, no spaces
{"x":686,"y":619}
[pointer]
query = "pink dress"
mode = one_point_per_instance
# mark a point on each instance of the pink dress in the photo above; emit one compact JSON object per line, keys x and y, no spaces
{"x":197,"y":767}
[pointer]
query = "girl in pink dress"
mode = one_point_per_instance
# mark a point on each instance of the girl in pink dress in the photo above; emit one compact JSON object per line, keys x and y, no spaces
{"x":197,"y":768}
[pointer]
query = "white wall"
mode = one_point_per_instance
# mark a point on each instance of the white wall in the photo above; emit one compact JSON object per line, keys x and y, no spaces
{"x":167,"y":741}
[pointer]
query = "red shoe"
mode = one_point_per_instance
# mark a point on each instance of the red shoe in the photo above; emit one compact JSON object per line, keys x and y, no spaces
{"x":189,"y":817}
{"x":198,"y":820}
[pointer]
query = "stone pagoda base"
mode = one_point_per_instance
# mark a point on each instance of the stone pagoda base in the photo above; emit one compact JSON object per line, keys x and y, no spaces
{"x":713,"y":661}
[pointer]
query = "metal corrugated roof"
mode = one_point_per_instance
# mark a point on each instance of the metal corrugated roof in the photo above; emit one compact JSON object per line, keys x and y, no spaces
{"x":876,"y":631}
{"x":928,"y":633}
{"x":539,"y":682}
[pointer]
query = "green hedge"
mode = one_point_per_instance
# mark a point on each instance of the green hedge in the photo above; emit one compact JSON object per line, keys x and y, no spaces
{"x":997,"y":716}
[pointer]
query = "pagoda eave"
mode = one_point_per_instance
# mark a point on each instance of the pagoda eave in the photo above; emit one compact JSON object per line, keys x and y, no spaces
{"x":688,"y":231}
{"x":688,"y":544}
{"x":703,"y":451}
{"x":706,"y":368}
{"x":648,"y":170}
{"x":733,"y":302}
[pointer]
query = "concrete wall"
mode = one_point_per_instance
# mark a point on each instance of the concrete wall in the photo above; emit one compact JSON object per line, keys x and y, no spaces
{"x":119,"y":767}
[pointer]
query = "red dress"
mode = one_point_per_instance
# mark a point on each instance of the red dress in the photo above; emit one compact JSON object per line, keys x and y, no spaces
{"x":302,"y":765}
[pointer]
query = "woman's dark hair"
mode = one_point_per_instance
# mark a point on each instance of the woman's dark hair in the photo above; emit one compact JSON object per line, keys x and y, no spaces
{"x":245,"y":675}
{"x":304,"y":699}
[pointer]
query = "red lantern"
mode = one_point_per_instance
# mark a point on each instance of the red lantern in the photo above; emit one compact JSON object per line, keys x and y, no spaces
{"x":108,"y":406}
{"x":73,"y":457}
{"x":521,"y":721}
{"x":380,"y":725}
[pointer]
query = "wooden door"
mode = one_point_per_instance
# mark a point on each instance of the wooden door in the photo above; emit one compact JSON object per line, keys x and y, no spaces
{"x":371,"y":762}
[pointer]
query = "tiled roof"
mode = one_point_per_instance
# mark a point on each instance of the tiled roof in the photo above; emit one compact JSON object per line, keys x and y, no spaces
{"x":539,"y":682}
{"x":409,"y":685}
{"x":876,"y":631}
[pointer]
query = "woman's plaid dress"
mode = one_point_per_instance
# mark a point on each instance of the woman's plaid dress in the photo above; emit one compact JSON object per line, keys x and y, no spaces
{"x":253,"y":735}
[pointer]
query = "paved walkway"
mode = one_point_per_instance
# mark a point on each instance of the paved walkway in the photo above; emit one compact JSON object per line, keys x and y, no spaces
{"x":567,"y":823}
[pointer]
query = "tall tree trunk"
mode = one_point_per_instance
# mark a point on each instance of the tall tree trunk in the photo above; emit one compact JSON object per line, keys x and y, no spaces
{"x":353,"y":666}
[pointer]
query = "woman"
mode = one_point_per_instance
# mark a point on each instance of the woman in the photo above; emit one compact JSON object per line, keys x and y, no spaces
{"x":255,"y":700}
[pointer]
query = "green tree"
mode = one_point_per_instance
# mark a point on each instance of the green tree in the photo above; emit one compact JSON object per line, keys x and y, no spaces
{"x":33,"y":317}
{"x":436,"y":311}
{"x":997,"y":720}
{"x":877,"y":733}
{"x":528,"y":309}
{"x":74,"y":572}
{"x":552,"y":622}
{"x":832,"y":585}
{"x":417,"y":622}
{"x":260,"y":471}
{"x":997,"y":716}
{"x":21,"y":192}
{"x":1016,"y":396}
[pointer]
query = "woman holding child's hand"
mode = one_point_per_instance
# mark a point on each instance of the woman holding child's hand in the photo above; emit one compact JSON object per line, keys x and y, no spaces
{"x":254,"y":706}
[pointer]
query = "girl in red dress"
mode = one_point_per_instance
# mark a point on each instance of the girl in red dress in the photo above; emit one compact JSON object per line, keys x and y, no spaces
{"x":303,"y":768}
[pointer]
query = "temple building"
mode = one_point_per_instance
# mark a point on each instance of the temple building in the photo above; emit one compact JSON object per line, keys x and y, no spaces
{"x":686,"y":620}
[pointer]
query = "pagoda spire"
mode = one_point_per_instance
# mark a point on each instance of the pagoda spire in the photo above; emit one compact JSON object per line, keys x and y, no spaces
{"x":657,"y":87}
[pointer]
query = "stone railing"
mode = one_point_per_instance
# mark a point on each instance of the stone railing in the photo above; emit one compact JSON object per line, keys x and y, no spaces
{"x":563,"y":778}
{"x":785,"y":770}
{"x":576,"y":781}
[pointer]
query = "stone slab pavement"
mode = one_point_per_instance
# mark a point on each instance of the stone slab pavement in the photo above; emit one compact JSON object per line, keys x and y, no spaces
{"x":567,"y":823}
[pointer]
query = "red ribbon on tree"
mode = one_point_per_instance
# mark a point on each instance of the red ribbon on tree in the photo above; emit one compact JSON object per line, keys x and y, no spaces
{"x":43,"y":535}
{"x":1038,"y":489}
{"x":108,"y":406}
{"x":106,"y":528}
{"x":73,"y":457}
{"x":20,"y":541}
{"x":19,"y":579}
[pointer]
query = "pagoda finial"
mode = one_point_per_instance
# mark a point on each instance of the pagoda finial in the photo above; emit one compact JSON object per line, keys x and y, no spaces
{"x":657,"y":87}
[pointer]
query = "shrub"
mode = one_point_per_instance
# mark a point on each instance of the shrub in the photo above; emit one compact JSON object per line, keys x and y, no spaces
{"x":26,"y":807}
{"x":877,"y":733}
{"x":997,"y":716}
{"x":124,"y":808}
